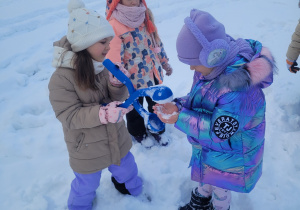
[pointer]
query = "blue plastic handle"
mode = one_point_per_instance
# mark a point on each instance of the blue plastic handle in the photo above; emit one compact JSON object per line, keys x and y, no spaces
{"x":157,"y":93}
{"x":114,"y":69}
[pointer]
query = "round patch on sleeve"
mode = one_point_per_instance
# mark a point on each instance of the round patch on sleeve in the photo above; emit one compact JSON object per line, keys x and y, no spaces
{"x":225,"y":127}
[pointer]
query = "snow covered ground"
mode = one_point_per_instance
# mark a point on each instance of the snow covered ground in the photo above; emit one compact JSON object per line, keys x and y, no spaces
{"x":34,"y":168}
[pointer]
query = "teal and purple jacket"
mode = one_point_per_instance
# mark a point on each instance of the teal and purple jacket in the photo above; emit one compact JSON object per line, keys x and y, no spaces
{"x":224,"y":120}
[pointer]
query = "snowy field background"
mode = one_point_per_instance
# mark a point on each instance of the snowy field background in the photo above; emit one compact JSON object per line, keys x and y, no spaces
{"x":34,"y":168}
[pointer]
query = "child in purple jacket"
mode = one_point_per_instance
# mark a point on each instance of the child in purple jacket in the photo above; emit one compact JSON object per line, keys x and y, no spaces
{"x":224,"y":113}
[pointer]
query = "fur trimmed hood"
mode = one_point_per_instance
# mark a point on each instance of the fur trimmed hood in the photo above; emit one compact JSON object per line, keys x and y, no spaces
{"x":258,"y":72}
{"x":261,"y":69}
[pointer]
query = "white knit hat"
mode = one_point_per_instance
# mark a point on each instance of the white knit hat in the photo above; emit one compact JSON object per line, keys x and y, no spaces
{"x":86,"y":27}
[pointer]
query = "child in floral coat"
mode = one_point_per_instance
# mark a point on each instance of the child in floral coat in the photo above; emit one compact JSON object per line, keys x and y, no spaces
{"x":224,"y":113}
{"x":138,"y":48}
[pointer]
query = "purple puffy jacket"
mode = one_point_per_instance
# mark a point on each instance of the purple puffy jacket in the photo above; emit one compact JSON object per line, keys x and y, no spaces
{"x":224,"y":120}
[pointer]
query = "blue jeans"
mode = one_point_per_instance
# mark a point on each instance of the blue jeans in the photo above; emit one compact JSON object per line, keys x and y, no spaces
{"x":84,"y":186}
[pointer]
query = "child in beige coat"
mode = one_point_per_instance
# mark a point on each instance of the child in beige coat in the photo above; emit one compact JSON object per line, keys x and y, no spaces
{"x":95,"y":134}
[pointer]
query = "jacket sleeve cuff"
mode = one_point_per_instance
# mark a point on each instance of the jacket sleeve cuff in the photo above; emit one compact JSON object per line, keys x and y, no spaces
{"x":194,"y":124}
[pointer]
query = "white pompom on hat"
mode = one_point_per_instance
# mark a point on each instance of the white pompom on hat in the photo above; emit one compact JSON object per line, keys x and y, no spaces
{"x":86,"y":27}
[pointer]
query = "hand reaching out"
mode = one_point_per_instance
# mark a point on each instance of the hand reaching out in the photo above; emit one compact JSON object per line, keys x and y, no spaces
{"x":292,"y":66}
{"x":167,"y":67}
{"x":167,"y":113}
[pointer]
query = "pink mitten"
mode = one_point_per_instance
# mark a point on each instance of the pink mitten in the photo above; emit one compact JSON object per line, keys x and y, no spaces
{"x":115,"y":114}
{"x":113,"y":80}
{"x":167,"y":67}
{"x":102,"y":115}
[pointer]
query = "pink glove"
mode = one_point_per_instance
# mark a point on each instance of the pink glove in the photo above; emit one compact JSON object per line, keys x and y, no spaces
{"x":167,"y":67}
{"x":113,"y":114}
{"x":102,"y":115}
{"x":113,"y":80}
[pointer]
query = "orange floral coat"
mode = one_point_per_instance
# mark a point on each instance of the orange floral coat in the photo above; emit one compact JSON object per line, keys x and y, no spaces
{"x":133,"y":48}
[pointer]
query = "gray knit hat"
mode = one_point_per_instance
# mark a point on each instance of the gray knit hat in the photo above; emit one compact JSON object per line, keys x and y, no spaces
{"x":86,"y":27}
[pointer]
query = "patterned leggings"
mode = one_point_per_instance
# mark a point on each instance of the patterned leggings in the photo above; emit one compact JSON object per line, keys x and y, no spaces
{"x":220,"y":197}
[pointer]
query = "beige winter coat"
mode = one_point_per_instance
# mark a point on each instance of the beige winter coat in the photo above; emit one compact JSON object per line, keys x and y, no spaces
{"x":294,"y":47}
{"x":92,"y":146}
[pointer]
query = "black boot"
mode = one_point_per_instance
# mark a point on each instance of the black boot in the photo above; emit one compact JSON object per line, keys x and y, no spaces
{"x":120,"y":186}
{"x":139,"y":139}
{"x":198,"y":202}
{"x":158,"y":138}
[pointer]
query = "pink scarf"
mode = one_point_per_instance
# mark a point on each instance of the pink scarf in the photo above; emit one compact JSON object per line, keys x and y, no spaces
{"x":132,"y":17}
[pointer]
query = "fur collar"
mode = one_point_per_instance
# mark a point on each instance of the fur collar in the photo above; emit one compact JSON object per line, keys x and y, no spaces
{"x":258,"y":72}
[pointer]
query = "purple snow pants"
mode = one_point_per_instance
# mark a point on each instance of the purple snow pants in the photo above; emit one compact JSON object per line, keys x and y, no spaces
{"x":84,"y":186}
